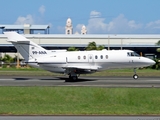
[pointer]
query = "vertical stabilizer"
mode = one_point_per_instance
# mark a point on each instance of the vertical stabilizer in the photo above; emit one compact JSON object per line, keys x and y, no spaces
{"x":28,"y":49}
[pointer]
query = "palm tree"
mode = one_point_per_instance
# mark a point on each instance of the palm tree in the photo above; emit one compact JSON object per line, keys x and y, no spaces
{"x":158,"y":43}
{"x":7,"y":59}
{"x":72,"y":49}
{"x":100,"y":47}
{"x":90,"y":46}
{"x":158,"y":49}
{"x":93,"y":46}
{"x":157,"y":64}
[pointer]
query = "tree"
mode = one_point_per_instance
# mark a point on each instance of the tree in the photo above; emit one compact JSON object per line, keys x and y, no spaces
{"x":156,"y":65}
{"x":158,"y":43}
{"x":158,"y":49}
{"x":100,"y":47}
{"x":90,"y":46}
{"x":72,"y":49}
{"x":7,"y":59}
{"x":93,"y":46}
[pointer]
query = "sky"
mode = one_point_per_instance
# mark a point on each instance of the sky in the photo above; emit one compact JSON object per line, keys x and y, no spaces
{"x":99,"y":16}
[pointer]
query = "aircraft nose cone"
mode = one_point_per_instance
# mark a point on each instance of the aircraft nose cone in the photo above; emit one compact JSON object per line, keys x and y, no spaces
{"x":151,"y":62}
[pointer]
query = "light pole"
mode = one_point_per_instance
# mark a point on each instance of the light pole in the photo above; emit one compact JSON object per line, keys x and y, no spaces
{"x":108,"y":42}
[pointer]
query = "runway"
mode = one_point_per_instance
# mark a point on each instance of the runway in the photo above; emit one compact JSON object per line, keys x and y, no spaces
{"x":83,"y":81}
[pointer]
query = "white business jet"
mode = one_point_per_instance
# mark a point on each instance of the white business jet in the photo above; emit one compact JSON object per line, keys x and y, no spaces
{"x":77,"y":62}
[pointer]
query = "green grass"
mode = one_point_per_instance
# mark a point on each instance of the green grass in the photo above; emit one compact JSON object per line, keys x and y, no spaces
{"x":79,"y":100}
{"x":25,"y":71}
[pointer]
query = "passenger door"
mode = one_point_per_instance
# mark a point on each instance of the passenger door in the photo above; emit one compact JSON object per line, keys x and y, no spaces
{"x":90,"y":58}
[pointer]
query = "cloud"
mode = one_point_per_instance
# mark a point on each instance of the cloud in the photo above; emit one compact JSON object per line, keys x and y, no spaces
{"x":96,"y":25}
{"x":95,"y":14}
{"x":42,"y":9}
{"x":120,"y":24}
{"x":153,"y":25}
{"x":29,"y":19}
{"x":25,"y":20}
{"x":79,"y":28}
{"x":132,"y":24}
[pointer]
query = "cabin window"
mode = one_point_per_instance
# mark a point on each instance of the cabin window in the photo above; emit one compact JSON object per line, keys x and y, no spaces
{"x":96,"y":57}
{"x":101,"y":56}
{"x":106,"y":56}
{"x":84,"y":57}
{"x":79,"y":57}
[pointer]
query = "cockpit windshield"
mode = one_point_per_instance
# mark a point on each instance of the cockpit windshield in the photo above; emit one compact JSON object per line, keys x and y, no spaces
{"x":133,"y":54}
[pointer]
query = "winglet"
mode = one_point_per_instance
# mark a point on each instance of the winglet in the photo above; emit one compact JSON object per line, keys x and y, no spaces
{"x":15,"y":37}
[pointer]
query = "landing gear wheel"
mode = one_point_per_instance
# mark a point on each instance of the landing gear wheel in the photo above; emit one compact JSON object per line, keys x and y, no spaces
{"x":74,"y":78}
{"x":69,"y":79}
{"x":135,"y":76}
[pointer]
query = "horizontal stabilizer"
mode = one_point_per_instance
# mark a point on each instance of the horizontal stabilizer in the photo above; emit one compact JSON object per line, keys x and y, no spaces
{"x":15,"y":37}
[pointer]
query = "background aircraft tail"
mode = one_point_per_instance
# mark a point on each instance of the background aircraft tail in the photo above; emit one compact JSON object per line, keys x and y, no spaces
{"x":28,"y":49}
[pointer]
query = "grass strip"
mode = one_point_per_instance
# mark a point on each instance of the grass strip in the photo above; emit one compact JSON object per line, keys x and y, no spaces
{"x":79,"y":101}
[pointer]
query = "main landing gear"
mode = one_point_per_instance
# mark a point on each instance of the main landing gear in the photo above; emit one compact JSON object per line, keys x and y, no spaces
{"x":73,"y":76}
{"x":135,"y":76}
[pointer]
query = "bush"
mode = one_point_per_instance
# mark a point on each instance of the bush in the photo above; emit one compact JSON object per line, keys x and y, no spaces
{"x":156,"y":65}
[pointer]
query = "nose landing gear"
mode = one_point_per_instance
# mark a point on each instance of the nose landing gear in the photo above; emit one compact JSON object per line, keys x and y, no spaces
{"x":135,"y":76}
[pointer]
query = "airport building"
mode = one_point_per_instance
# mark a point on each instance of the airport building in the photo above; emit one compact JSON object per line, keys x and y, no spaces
{"x":25,"y":29}
{"x":142,"y":44}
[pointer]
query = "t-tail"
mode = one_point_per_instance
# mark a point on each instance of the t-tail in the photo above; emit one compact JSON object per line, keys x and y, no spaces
{"x":28,"y":49}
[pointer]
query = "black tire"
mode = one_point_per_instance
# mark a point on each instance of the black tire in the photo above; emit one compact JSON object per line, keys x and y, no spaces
{"x":135,"y":76}
{"x":74,"y":78}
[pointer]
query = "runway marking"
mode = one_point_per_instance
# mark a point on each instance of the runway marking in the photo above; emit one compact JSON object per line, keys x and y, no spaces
{"x":6,"y":79}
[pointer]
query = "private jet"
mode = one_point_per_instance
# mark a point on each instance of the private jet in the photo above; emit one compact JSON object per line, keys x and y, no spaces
{"x":76,"y":62}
